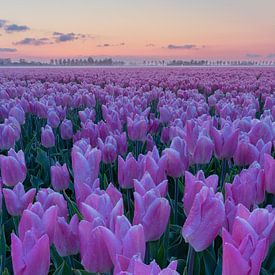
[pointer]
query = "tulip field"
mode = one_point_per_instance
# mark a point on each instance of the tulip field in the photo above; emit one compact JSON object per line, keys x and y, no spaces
{"x":139,"y":171}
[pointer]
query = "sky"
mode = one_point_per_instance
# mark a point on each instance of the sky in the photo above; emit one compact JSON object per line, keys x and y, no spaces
{"x":197,"y":29}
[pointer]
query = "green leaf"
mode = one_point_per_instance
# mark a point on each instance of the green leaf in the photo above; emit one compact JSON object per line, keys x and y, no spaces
{"x":36,"y":182}
{"x":209,"y":261}
{"x":57,"y":260}
{"x":269,"y":263}
{"x":43,"y":160}
{"x":63,"y":269}
{"x":6,"y":272}
{"x":264,"y":272}
{"x":2,"y":249}
{"x":218,"y":270}
{"x":72,"y":207}
{"x":82,"y":272}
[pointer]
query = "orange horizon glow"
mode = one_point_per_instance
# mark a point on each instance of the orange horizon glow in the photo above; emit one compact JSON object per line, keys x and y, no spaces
{"x":207,"y":29}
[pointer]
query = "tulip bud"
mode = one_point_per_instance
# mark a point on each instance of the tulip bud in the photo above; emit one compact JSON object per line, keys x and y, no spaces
{"x":13,"y":167}
{"x":26,"y":253}
{"x":47,"y":137}
{"x":60,"y":177}
{"x":66,"y":129}
{"x":204,"y":220}
{"x":66,"y":238}
{"x":17,"y":200}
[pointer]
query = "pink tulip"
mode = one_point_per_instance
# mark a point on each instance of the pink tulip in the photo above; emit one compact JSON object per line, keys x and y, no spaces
{"x":176,"y":158}
{"x":269,"y":172}
{"x":128,"y":170}
{"x":152,"y":211}
{"x":83,"y":190}
{"x":146,"y":184}
{"x":53,"y":119}
{"x":248,"y":187}
{"x":94,"y":252}
{"x":103,"y":207}
{"x":30,"y":255}
{"x":13,"y":167}
{"x":225,"y":141}
{"x":18,"y":113}
{"x":154,"y":165}
{"x":47,"y":137}
{"x":204,"y":220}
{"x":122,"y":144}
{"x":17,"y":200}
{"x":8,"y":136}
{"x":66,"y":237}
{"x":129,"y":240}
{"x":66,"y":129}
{"x":203,"y":150}
{"x":245,"y":248}
{"x":193,"y":185}
{"x":108,"y":149}
{"x":135,"y":266}
{"x":245,"y":153}
{"x":137,"y":128}
{"x":60,"y":177}
{"x":85,"y":162}
{"x":39,"y":221}
{"x":47,"y":197}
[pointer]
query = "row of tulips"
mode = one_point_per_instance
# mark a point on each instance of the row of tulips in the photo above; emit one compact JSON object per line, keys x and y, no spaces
{"x":137,"y":172}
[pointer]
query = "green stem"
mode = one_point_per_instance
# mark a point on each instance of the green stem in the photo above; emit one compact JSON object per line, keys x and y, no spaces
{"x":147,"y":254}
{"x":222,"y":178}
{"x":176,"y":200}
{"x":190,"y":260}
{"x":128,"y":191}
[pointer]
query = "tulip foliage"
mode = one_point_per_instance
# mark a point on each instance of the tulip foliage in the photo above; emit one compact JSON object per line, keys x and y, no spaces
{"x":137,"y":171}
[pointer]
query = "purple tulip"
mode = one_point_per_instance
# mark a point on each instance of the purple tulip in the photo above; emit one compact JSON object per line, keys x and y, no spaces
{"x":245,"y":248}
{"x":87,"y":114}
{"x":8,"y":136}
{"x":85,"y":162}
{"x":66,"y":237}
{"x":137,"y":128}
{"x":66,"y":129}
{"x":30,"y":255}
{"x":128,"y":170}
{"x":248,"y":187}
{"x":47,"y":137}
{"x":83,"y":190}
{"x":269,"y":172}
{"x":60,"y":177}
{"x":261,"y":130}
{"x":18,"y":113}
{"x":47,"y":197}
{"x":135,"y":266}
{"x":92,"y":239}
{"x":245,"y":153}
{"x":204,"y":220}
{"x":100,"y":207}
{"x":154,"y":165}
{"x":225,"y":141}
{"x":108,"y":149}
{"x":127,"y":240}
{"x":152,"y":211}
{"x":193,"y":185}
{"x":203,"y":150}
{"x":13,"y":167}
{"x":17,"y":200}
{"x":39,"y":221}
{"x":176,"y":158}
{"x":53,"y":119}
{"x":122,"y":144}
{"x":146,"y":184}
